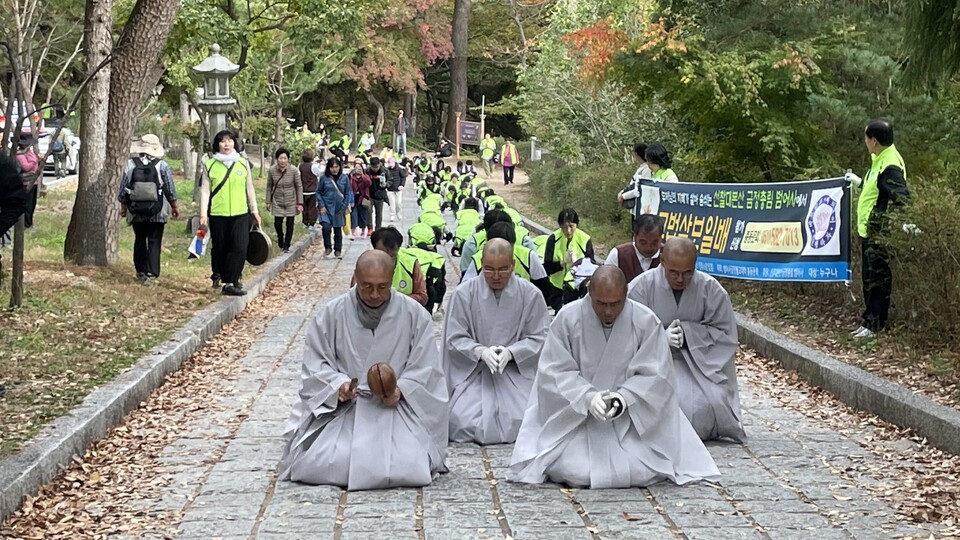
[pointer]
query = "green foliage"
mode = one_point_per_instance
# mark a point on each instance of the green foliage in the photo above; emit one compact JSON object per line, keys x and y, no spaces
{"x":592,"y":191}
{"x":926,"y":267}
{"x":932,"y":38}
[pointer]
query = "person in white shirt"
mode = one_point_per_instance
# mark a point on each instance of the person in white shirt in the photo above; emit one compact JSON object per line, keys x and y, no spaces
{"x":632,"y":191}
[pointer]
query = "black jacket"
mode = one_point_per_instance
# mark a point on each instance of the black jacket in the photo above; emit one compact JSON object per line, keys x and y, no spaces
{"x":13,"y":197}
{"x":396,"y":177}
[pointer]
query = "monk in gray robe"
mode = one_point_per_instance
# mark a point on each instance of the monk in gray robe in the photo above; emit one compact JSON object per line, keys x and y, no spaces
{"x":339,"y":432}
{"x":492,"y":336}
{"x":603,"y":412}
{"x":698,"y":316}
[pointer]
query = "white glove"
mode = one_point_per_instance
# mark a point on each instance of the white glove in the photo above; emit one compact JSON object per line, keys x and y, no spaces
{"x":505,"y":356}
{"x":598,"y":407}
{"x":568,"y":257}
{"x":911,"y":228}
{"x":491,"y":358}
{"x":675,"y":334}
{"x":853,"y":179}
{"x":616,"y":405}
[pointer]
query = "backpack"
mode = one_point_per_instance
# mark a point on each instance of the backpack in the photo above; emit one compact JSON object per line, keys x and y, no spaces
{"x":144,"y":194}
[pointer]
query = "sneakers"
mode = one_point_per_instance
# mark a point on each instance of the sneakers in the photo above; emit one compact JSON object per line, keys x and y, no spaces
{"x":862,"y":332}
{"x":149,"y":281}
{"x":369,"y":230}
{"x":216,"y":283}
{"x":327,"y":252}
{"x":338,"y":254}
{"x":141,"y":277}
{"x":233,"y":289}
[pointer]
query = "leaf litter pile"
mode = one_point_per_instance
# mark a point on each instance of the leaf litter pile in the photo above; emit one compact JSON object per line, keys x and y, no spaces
{"x":919,"y":481}
{"x":100,"y":495}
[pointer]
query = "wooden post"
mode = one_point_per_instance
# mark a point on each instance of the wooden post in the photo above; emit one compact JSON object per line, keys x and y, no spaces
{"x":458,"y":135}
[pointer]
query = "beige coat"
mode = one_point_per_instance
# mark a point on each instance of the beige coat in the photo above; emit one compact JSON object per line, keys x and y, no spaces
{"x":284,"y":191}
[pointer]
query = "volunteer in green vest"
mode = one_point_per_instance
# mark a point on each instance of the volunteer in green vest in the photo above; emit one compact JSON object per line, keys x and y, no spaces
{"x":423,"y":248}
{"x":468,"y":218}
{"x":659,"y":162}
{"x":883,"y":188}
{"x":488,"y":147}
{"x":565,"y":246}
{"x":226,"y":208}
{"x":475,"y":241}
{"x":407,"y":277}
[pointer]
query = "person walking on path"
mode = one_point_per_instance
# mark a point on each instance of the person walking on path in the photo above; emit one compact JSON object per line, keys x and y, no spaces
{"x":284,"y":197}
{"x":400,"y":134}
{"x":488,"y":147}
{"x":378,"y":193}
{"x":510,"y":158}
{"x":360,"y":215}
{"x":59,"y":149}
{"x":148,"y":198}
{"x":883,"y":188}
{"x":226,"y":208}
{"x":308,"y":181}
{"x":396,"y":180}
{"x":334,"y":197}
{"x":30,"y":175}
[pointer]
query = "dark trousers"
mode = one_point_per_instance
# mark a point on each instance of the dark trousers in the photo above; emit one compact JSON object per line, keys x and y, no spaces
{"x":557,"y":298}
{"x":339,"y":154}
{"x":337,"y":237}
{"x":435,"y":293}
{"x":11,"y":207}
{"x":148,"y":238}
{"x":359,"y":217}
{"x":508,"y":174}
{"x":283,"y":238}
{"x":31,"y":206}
{"x":877,"y":284}
{"x":229,"y":237}
{"x":377,"y":208}
{"x":310,"y":210}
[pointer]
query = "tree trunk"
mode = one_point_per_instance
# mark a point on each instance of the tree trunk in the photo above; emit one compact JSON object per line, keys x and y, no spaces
{"x":410,"y":111}
{"x":458,"y":66}
{"x":189,"y":163}
{"x":84,"y":243}
{"x":16,"y":273}
{"x":133,"y":74}
{"x":378,"y":125}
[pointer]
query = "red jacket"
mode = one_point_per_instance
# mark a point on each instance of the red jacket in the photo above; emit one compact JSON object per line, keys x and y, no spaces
{"x":360,"y":184}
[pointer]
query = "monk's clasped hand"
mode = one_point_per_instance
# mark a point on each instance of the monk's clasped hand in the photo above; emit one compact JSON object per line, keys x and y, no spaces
{"x":675,"y":334}
{"x":505,"y":356}
{"x":346,"y":392}
{"x":598,"y":407}
{"x":491,"y":357}
{"x":615,"y":404}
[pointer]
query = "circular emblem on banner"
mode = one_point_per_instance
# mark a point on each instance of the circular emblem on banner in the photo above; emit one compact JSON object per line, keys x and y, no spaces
{"x":822,"y":222}
{"x":402,"y":284}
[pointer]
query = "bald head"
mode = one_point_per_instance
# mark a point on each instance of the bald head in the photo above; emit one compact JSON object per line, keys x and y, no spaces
{"x":374,"y":263}
{"x":608,"y":293}
{"x":680,"y":247}
{"x":608,"y":280}
{"x":497,"y":247}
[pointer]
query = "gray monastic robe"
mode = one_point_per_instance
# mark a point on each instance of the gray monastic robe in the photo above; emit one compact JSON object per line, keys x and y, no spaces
{"x":363,"y":444}
{"x":706,"y":374}
{"x":652,"y":441}
{"x":484,"y":407}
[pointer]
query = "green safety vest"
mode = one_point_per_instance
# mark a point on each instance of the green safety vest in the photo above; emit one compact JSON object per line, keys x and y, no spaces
{"x":430,"y":201}
{"x":560,"y":246}
{"x":403,"y":272}
{"x":870,"y":189}
{"x":662,"y":174}
{"x":428,"y":259}
{"x":487,"y":148}
{"x":433,"y":218}
{"x":521,"y":261}
{"x":421,"y":233}
{"x":424,"y":165}
{"x":445,"y":176}
{"x":476,"y":182}
{"x":541,"y":242}
{"x":468,"y":216}
{"x":480,"y":237}
{"x":494,"y":200}
{"x":231,"y":200}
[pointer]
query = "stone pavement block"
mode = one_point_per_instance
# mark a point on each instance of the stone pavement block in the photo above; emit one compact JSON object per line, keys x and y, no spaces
{"x":393,"y":509}
{"x":466,"y":515}
{"x":374,"y":535}
{"x":389,"y":525}
{"x":462,"y":534}
{"x":727,"y":533}
{"x":713,"y":521}
{"x":229,"y":483}
{"x":618,"y":522}
{"x":790,"y":520}
{"x":698,"y":506}
{"x":587,"y":496}
{"x":763,"y":505}
{"x":668,"y":492}
{"x":217,"y":526}
{"x":292,"y":491}
{"x":447,"y":489}
{"x":298,"y":517}
{"x":295,"y":528}
{"x":245,"y":455}
{"x":761,"y":493}
{"x":819,"y":534}
{"x":541,"y":512}
{"x":617,"y":508}
{"x":543,"y":531}
{"x":241,"y":503}
{"x":252,"y":429}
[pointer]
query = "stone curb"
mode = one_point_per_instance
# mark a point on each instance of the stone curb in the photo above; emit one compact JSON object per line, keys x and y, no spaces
{"x":856,"y":387}
{"x":40,"y":461}
{"x":851,"y":385}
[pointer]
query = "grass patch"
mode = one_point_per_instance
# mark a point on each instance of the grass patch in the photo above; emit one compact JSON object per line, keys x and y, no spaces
{"x":81,"y":326}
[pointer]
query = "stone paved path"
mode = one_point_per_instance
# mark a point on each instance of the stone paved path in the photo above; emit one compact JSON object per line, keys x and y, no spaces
{"x":778,"y":485}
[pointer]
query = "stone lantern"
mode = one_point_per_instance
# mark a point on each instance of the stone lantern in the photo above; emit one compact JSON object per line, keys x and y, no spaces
{"x":216,"y":71}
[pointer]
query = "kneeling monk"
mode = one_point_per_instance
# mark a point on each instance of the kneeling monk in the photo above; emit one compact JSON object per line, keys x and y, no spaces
{"x":341,"y":433}
{"x":603,"y":412}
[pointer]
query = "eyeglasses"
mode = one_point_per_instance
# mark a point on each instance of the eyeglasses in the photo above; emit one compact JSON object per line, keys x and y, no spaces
{"x":497,"y":272}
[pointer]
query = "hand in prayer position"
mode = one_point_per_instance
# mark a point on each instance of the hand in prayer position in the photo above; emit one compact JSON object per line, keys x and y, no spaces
{"x":491,"y":357}
{"x":675,"y":334}
{"x":606,"y":405}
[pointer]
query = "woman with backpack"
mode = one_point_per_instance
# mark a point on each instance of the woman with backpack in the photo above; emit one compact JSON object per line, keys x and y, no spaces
{"x":227,"y":201}
{"x":284,"y":196}
{"x":148,"y":198}
{"x":334,"y":198}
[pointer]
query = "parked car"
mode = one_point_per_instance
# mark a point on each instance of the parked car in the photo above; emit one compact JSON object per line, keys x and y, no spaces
{"x":73,"y":150}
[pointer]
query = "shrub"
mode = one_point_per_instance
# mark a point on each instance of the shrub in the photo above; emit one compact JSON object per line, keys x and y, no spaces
{"x":591,"y":191}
